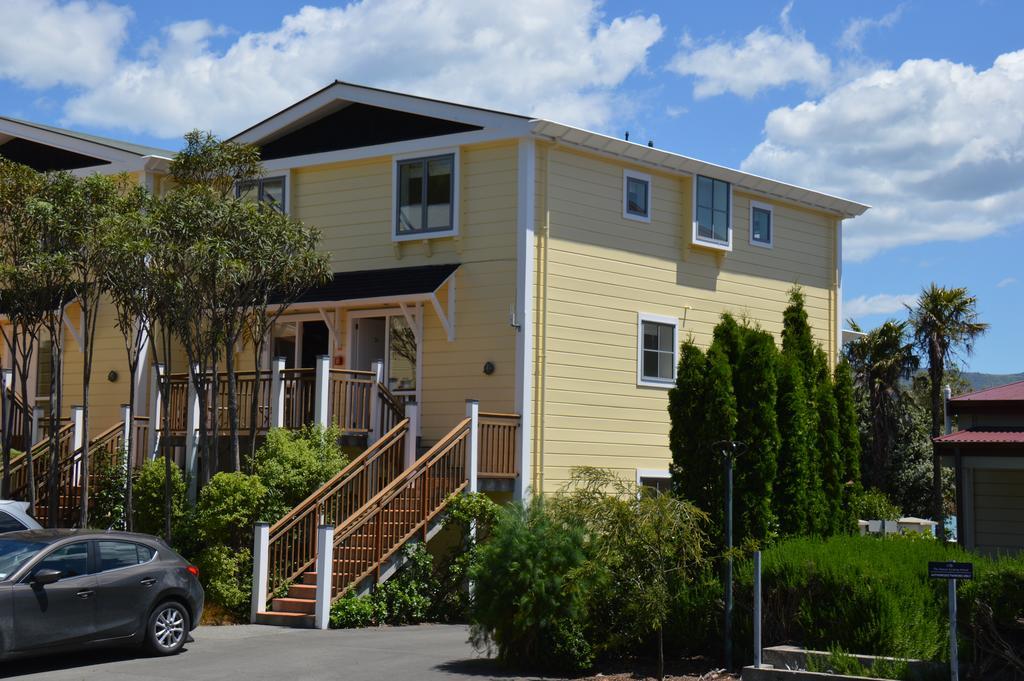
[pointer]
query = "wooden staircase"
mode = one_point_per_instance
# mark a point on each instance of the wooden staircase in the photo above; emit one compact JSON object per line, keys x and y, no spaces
{"x":383,"y":508}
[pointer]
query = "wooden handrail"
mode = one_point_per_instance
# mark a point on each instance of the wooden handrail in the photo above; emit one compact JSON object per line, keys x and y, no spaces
{"x":498,"y":444}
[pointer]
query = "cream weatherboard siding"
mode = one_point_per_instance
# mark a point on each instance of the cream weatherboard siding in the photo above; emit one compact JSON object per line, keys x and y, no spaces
{"x":352,"y":205}
{"x":597,"y":271}
{"x":998,"y":510}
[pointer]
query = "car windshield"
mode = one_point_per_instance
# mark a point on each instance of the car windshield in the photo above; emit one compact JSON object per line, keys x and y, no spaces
{"x":16,"y":552}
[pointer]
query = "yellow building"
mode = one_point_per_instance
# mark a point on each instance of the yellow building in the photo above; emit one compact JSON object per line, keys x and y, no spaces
{"x":544,"y":270}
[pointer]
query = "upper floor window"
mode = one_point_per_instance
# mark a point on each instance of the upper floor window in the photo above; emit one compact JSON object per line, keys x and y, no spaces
{"x":636,"y":196}
{"x":425,"y":196}
{"x":713,"y":212}
{"x":761,"y":224}
{"x":269,"y":191}
{"x":656,"y":350}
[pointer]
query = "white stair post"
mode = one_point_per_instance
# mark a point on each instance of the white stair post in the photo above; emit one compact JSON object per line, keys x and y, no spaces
{"x":78,"y":436}
{"x":277,"y":392}
{"x":192,"y":439}
{"x":412,"y":412}
{"x":126,"y":432}
{"x":322,"y":402}
{"x":324,"y":575}
{"x":260,"y":572}
{"x":473,"y":445}
{"x":375,"y":429}
{"x":37,"y":424}
{"x":155,"y":409}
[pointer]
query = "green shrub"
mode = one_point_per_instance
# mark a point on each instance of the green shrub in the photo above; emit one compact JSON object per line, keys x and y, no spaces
{"x":148,"y":497}
{"x":873,"y":504}
{"x":226,"y":575}
{"x":354,"y":612}
{"x":109,"y":476}
{"x":450,"y":602}
{"x":228,"y":508}
{"x":294,"y":464}
{"x":405,"y":598}
{"x":530,"y":591}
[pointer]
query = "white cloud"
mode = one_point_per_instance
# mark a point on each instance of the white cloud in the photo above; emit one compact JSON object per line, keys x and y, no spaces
{"x":45,"y":43}
{"x":936,"y":147}
{"x":556,"y":58}
{"x":883,"y":303}
{"x":853,"y":36}
{"x":1006,"y":281}
{"x":765,"y":59}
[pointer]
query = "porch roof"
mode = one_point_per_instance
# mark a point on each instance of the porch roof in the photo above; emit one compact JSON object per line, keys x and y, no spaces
{"x":394,"y":282}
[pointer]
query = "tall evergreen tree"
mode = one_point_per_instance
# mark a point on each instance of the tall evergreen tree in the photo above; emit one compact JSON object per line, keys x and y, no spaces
{"x":719,"y":424}
{"x":791,"y":499}
{"x":757,"y":427}
{"x":797,"y":339}
{"x":830,"y":519}
{"x":692,"y":469}
{"x":729,"y":336}
{"x":849,"y":438}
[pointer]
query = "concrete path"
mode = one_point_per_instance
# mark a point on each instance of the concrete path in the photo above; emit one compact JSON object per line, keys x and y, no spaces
{"x":252,"y":653}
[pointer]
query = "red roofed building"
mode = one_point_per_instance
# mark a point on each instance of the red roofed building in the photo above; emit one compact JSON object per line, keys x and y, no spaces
{"x":987,"y":453}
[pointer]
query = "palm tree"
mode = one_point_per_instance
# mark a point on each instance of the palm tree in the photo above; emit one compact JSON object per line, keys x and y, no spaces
{"x":882,"y":361}
{"x":946,"y":325}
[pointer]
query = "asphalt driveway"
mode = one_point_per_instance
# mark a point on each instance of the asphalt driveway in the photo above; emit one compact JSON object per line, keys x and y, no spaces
{"x":419,"y":653}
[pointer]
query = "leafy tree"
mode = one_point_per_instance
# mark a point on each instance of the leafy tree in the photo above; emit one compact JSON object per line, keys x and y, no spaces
{"x":946,"y":324}
{"x":757,"y":426}
{"x":791,"y":496}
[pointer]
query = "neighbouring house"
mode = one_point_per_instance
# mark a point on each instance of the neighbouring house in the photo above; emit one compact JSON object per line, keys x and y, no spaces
{"x":986,"y":451}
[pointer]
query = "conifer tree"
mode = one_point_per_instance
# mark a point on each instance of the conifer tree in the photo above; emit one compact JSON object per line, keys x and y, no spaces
{"x":797,"y":339}
{"x":719,"y":415}
{"x":792,"y":487}
{"x":849,"y":439}
{"x":829,"y":518}
{"x":692,"y":469}
{"x":757,"y":427}
{"x":729,"y":335}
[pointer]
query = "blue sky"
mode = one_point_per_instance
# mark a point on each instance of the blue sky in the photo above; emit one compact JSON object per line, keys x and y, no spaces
{"x":913,"y":107}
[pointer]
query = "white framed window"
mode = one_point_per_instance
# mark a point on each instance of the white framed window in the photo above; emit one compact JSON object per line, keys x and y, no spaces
{"x":657,"y":350}
{"x":426,"y":196}
{"x":658,"y":480}
{"x":269,"y":191}
{"x":712,"y":212}
{"x":636,"y":196}
{"x":762,"y":224}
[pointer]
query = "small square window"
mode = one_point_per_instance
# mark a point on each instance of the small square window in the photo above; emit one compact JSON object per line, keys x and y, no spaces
{"x":636,"y":196}
{"x":657,"y":351}
{"x":761,"y":226}
{"x":425,"y":196}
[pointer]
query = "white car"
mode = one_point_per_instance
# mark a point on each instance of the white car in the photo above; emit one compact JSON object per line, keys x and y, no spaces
{"x":14,"y":517}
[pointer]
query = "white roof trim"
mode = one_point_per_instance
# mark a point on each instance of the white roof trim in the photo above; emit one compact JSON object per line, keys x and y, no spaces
{"x":296,"y":115}
{"x":676,"y":163}
{"x":119,"y":160}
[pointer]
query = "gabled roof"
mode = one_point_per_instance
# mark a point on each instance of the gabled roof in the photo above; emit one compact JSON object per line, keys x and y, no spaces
{"x":1011,"y":392}
{"x":129,"y":147}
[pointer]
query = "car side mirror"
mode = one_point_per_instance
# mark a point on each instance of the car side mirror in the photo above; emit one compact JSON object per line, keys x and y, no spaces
{"x":46,"y":576}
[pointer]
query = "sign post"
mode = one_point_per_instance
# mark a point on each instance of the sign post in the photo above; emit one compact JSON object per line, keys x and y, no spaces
{"x":951,"y":572}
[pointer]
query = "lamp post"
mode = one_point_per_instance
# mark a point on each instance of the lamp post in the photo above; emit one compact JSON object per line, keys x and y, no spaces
{"x":729,"y":449}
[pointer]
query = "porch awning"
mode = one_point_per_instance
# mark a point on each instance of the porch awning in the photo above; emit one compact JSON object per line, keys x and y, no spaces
{"x":393,"y":286}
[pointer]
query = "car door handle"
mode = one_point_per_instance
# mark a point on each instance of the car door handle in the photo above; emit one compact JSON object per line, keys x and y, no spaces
{"x":85,"y":593}
{"x":148,"y":581}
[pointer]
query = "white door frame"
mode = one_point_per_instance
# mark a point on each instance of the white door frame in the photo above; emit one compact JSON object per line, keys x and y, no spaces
{"x":417,"y":314}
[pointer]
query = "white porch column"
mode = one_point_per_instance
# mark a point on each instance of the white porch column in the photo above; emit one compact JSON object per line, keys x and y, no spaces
{"x":126,"y":431}
{"x":412,"y":413}
{"x":260,"y":572}
{"x":192,"y":439}
{"x":375,"y":428}
{"x":155,"y":409}
{"x":277,"y":392}
{"x":322,"y":402}
{"x":324,"y":575}
{"x":473,"y":445}
{"x":78,"y":436}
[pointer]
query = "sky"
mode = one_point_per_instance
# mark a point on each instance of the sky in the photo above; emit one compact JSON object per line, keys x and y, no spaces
{"x":915,"y":108}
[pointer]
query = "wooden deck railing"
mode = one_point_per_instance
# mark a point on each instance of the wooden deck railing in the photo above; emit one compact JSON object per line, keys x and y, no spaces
{"x":299,"y":387}
{"x":350,"y":393}
{"x":40,"y":464}
{"x":498,"y":445}
{"x":371,"y":535}
{"x":292,"y":545}
{"x":14,"y":403}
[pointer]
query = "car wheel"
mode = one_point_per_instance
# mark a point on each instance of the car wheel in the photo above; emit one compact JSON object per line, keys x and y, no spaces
{"x":168,"y":628}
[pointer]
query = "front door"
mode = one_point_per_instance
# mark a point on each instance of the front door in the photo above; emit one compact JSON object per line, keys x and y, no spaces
{"x":369,"y":341}
{"x":60,"y":613}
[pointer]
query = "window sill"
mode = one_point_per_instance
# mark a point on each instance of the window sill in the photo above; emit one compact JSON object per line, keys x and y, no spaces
{"x":762,"y":244}
{"x":649,"y":383}
{"x":423,"y":236}
{"x":636,"y":218}
{"x":723,"y":246}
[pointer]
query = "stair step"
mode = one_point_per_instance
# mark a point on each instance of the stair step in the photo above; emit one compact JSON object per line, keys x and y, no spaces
{"x":302,"y":591}
{"x":294,"y":605}
{"x":286,"y":619}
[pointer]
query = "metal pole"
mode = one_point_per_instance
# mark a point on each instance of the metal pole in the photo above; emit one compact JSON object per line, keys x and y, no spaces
{"x":954,"y":655}
{"x":728,"y":561}
{"x":757,"y":609}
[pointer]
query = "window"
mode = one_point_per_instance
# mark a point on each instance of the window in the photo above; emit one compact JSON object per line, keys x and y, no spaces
{"x":712,"y":210}
{"x":425,"y":197}
{"x":657,"y":351}
{"x":761,"y":227}
{"x":71,"y":560}
{"x":9,"y":523}
{"x":636,"y":196}
{"x":269,"y":191}
{"x":119,"y":554}
{"x":658,"y":482}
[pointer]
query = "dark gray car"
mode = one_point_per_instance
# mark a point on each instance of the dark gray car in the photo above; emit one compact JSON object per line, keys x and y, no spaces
{"x":65,"y":589}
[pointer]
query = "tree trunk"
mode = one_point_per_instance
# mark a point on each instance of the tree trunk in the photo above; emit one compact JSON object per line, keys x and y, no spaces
{"x":30,"y":473}
{"x":165,"y":416}
{"x":56,"y":393}
{"x":254,"y":405}
{"x":661,"y":652}
{"x":229,"y":361}
{"x":129,"y":447}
